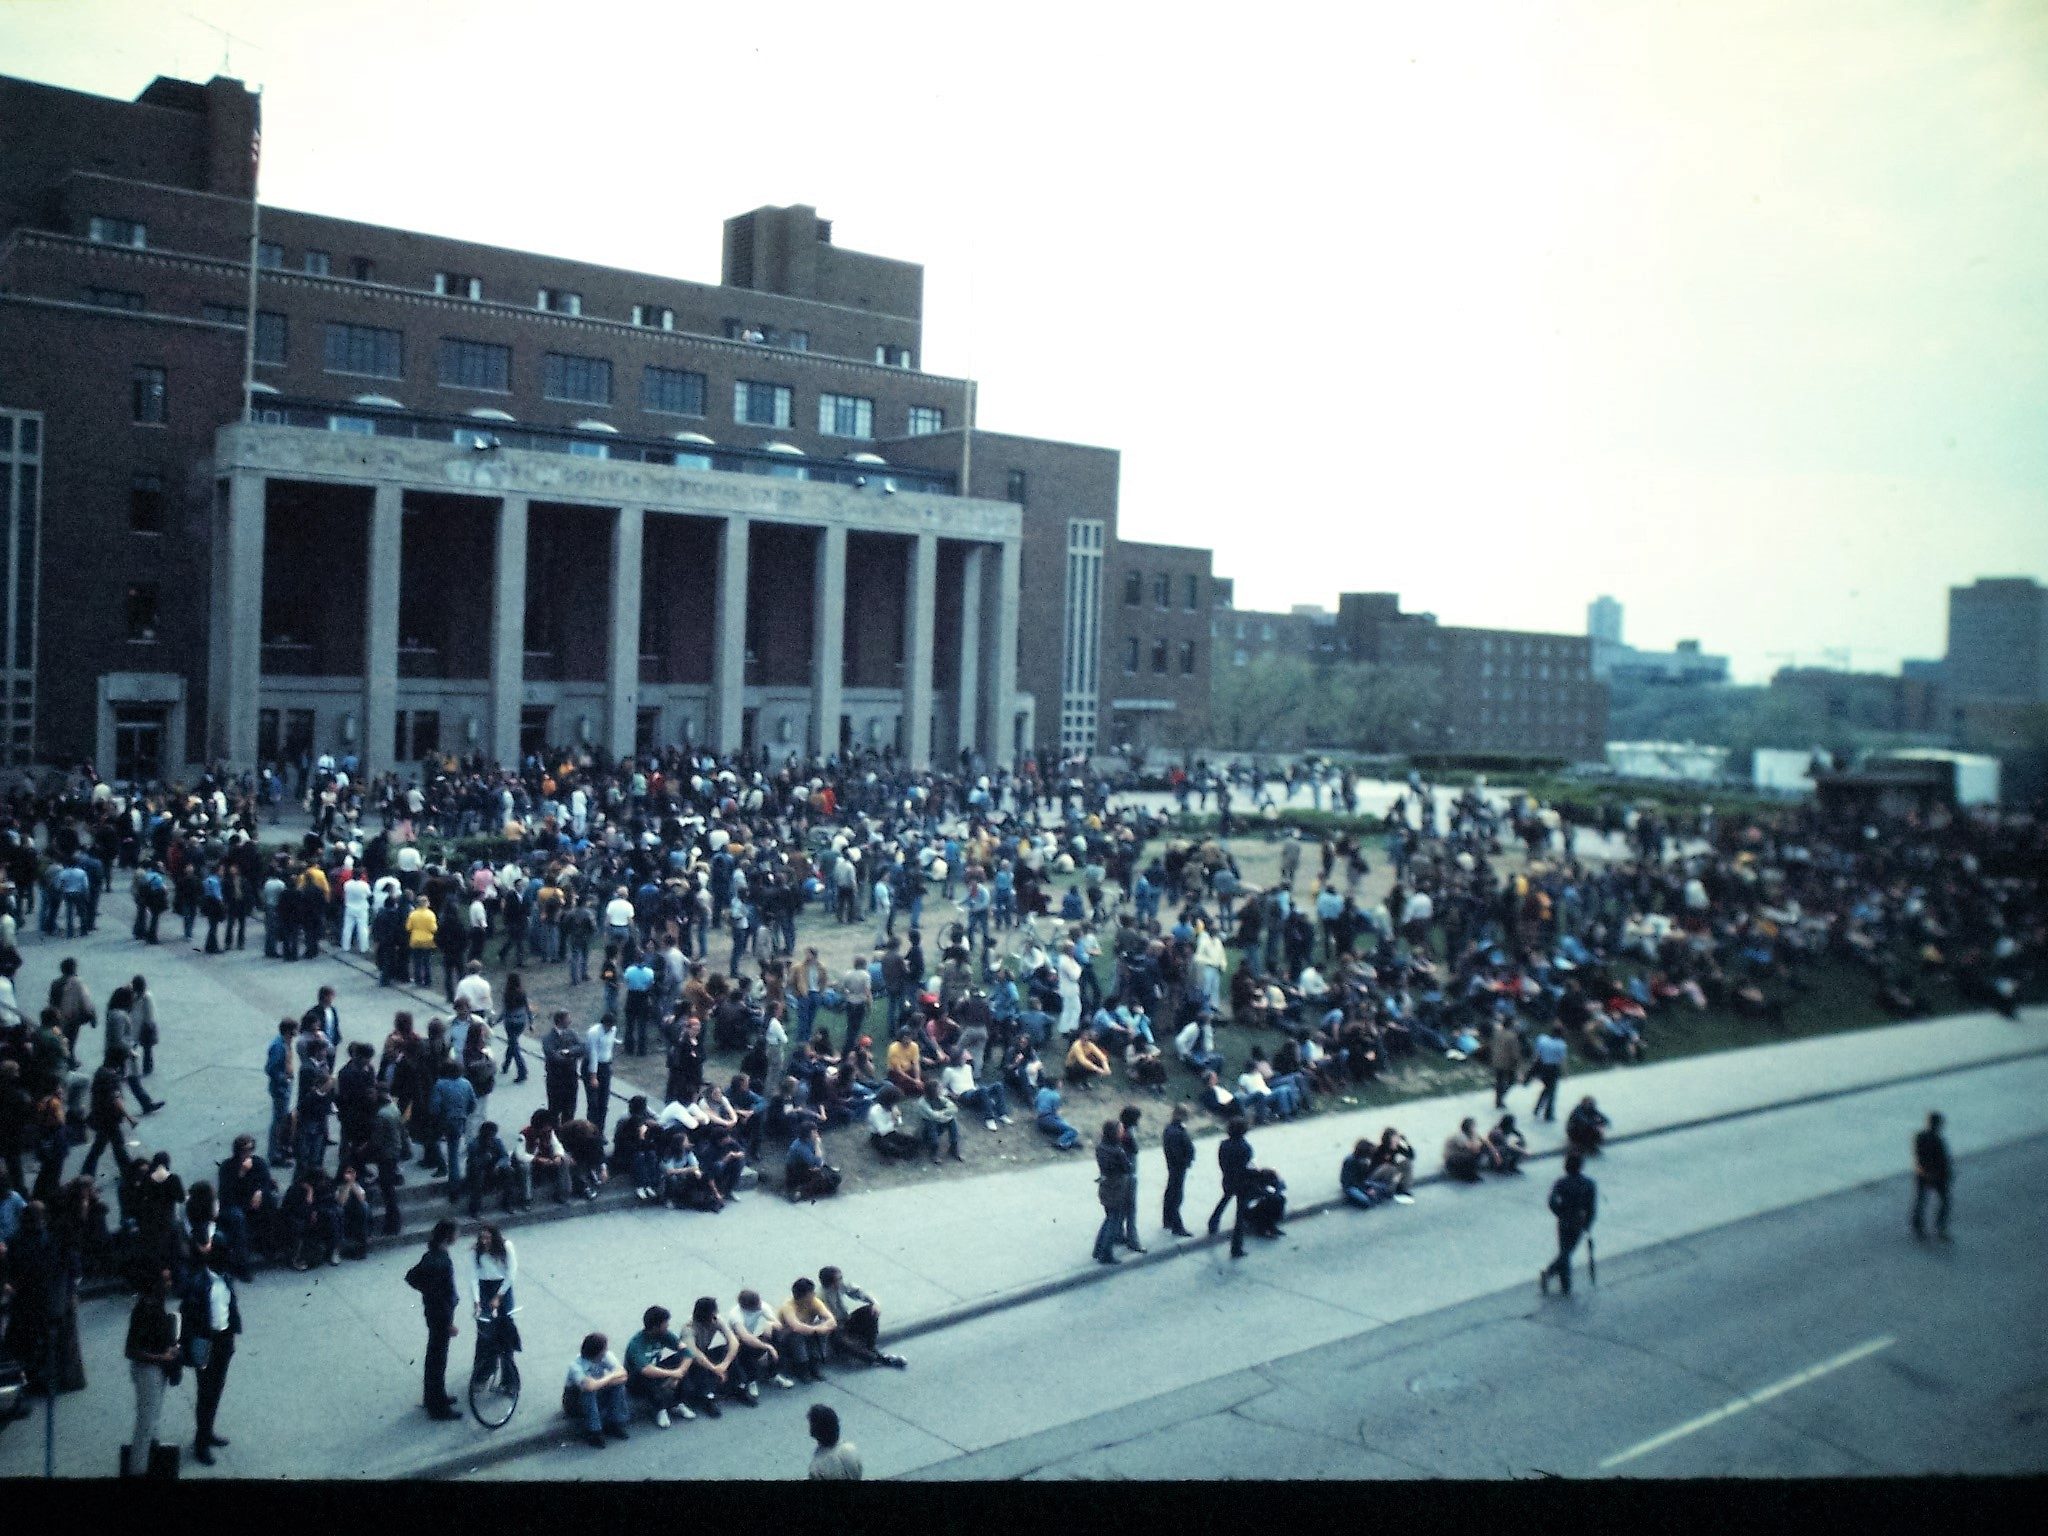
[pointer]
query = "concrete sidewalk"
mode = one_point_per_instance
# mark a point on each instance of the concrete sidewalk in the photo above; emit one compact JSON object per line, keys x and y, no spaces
{"x":934,"y":1255}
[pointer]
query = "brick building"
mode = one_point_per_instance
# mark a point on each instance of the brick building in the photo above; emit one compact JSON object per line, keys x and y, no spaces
{"x":494,"y":498}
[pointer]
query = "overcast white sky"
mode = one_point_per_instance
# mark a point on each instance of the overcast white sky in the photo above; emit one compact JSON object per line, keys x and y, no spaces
{"x":1738,"y":311}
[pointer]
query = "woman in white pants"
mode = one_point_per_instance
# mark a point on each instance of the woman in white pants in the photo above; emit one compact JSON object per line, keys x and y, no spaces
{"x":152,"y":1356}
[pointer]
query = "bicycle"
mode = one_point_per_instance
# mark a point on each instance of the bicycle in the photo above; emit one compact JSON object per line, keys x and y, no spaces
{"x":494,"y":1379}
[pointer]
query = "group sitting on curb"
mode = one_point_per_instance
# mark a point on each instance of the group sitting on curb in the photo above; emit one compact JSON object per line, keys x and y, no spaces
{"x":718,"y":1357}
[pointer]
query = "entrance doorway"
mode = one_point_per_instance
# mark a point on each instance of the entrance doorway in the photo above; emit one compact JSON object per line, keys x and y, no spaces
{"x":533,"y":730}
{"x":139,"y":741}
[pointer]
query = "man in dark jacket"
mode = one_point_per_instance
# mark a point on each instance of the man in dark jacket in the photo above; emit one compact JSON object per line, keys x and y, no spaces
{"x":1573,"y":1200}
{"x":1234,"y":1160}
{"x":212,"y":1319}
{"x":1112,"y":1183}
{"x":434,"y":1278}
{"x":1930,"y":1175}
{"x":1179,"y":1148}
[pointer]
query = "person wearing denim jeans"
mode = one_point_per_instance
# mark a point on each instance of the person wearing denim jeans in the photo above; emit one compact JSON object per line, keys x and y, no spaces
{"x":594,"y":1393}
{"x":1047,"y":1110}
{"x":806,"y":1326}
{"x":937,"y":1120}
{"x":277,"y":1069}
{"x":451,"y":1101}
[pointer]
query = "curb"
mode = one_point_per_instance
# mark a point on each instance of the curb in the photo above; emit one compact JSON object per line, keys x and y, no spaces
{"x":556,"y":1433}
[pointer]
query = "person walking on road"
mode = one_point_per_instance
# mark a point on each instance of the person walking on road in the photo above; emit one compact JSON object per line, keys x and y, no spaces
{"x":1930,"y":1175}
{"x":1179,"y":1148}
{"x":1234,"y":1159}
{"x":1112,"y":1184}
{"x":1573,"y":1200}
{"x":1547,"y":1068}
{"x":434,"y":1278}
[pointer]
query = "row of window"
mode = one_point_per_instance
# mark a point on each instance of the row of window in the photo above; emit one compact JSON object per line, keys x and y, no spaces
{"x":270,"y":254}
{"x":1134,"y":650}
{"x":1162,"y":590}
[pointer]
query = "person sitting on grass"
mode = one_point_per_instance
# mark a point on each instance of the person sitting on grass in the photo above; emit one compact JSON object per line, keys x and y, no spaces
{"x":1023,"y":1072}
{"x":906,"y":1063}
{"x":1087,"y":1064}
{"x":805,"y":1173}
{"x":1505,"y":1147}
{"x":1216,"y":1098}
{"x":885,"y":1126}
{"x":655,"y":1366}
{"x":1046,"y":1109}
{"x":1464,"y":1151}
{"x":1144,"y":1066}
{"x":938,"y":1120}
{"x":595,"y":1392}
{"x":989,"y":1099}
{"x":1585,"y":1128}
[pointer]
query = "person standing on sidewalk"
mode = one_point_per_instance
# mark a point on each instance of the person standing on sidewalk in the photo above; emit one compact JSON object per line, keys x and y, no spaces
{"x":1505,"y":1053}
{"x":1931,"y":1175}
{"x":1112,"y":1184}
{"x":1573,"y":1201}
{"x":1547,"y":1069}
{"x":152,"y":1351}
{"x":434,"y":1278}
{"x":210,"y":1320}
{"x":561,"y":1060}
{"x":1128,"y":1117}
{"x":1179,"y":1148}
{"x":1234,"y":1159}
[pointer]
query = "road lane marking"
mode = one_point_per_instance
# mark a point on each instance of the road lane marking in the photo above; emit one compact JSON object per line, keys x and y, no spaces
{"x":1761,"y":1395}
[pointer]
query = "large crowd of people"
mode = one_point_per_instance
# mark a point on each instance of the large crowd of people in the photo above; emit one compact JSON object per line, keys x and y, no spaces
{"x":1051,"y":943}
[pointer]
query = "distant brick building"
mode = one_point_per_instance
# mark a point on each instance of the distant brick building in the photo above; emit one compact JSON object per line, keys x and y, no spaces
{"x":491,"y":498}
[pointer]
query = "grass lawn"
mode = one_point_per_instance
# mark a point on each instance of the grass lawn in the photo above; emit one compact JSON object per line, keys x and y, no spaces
{"x":1836,"y":997}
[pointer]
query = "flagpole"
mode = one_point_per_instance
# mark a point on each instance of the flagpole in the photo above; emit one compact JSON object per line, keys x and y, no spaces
{"x":967,"y":445}
{"x":255,"y":245}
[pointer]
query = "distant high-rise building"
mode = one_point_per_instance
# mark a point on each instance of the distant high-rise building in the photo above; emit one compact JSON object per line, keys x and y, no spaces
{"x":1998,"y":642}
{"x":1603,"y":620}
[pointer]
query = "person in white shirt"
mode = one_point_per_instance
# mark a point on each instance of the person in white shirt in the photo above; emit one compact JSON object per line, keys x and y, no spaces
{"x":1070,"y":992}
{"x":355,"y":913}
{"x":599,"y":1042}
{"x":474,"y":988}
{"x":957,"y":1079}
{"x":618,"y":916}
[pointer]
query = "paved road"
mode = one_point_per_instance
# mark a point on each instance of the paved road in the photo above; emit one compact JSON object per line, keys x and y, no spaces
{"x":1815,"y":1341}
{"x":1434,"y":1305}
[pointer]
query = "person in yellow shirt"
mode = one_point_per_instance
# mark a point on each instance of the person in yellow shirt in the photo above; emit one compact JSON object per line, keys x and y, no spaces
{"x":1086,"y":1062}
{"x":906,"y":1064}
{"x":420,"y":928}
{"x":807,"y":1325}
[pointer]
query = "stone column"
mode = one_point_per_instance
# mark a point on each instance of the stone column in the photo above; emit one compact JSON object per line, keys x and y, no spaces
{"x":729,"y":640}
{"x":239,"y":682}
{"x":1001,"y":679}
{"x":969,"y":737}
{"x":920,"y":603}
{"x":622,"y":666}
{"x":508,"y":632}
{"x":828,"y":638}
{"x":380,"y":628}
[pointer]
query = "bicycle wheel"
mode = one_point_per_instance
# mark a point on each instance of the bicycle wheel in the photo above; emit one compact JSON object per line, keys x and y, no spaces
{"x":494,"y":1392}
